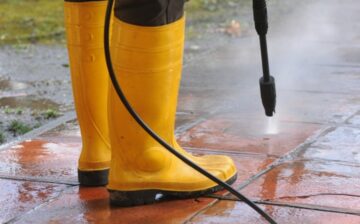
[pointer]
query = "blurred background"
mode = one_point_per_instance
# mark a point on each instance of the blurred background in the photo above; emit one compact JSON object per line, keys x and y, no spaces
{"x":34,"y":70}
{"x":307,"y":39}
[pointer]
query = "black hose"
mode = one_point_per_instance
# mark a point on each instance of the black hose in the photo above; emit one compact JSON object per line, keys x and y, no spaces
{"x":154,"y":135}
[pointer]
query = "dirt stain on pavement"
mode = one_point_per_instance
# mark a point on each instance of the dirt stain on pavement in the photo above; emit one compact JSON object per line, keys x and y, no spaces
{"x":28,"y":102}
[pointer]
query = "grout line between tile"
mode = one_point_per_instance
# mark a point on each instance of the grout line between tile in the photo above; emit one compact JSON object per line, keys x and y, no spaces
{"x":286,"y":158}
{"x":17,"y":218}
{"x":351,"y":117}
{"x":36,"y":179}
{"x":312,"y":207}
{"x":201,"y":211}
{"x":293,"y":205}
{"x":187,"y":126}
{"x":229,"y":152}
{"x":339,"y":162}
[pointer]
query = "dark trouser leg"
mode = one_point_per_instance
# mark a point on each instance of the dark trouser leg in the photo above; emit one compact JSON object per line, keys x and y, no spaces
{"x":149,"y":12}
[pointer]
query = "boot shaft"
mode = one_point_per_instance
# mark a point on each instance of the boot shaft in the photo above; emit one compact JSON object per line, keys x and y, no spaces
{"x":84,"y":22}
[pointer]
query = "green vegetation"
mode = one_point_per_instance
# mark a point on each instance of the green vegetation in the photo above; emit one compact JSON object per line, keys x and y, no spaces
{"x":210,"y":9}
{"x":50,"y":114}
{"x":2,"y":138}
{"x":46,"y":114}
{"x":18,"y":128}
{"x":30,"y":21}
{"x":17,"y":111}
{"x":19,"y":121}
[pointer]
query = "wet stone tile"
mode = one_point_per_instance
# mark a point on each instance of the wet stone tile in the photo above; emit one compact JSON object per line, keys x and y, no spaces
{"x":91,"y":205}
{"x":341,"y":144}
{"x":197,"y":100}
{"x":355,"y":120}
{"x":239,"y":94}
{"x":247,"y":165}
{"x":230,"y":212}
{"x":186,"y":120}
{"x":244,"y":135}
{"x":18,"y":197}
{"x":316,"y":108}
{"x":42,"y":160}
{"x":69,"y":130}
{"x":310,"y":182}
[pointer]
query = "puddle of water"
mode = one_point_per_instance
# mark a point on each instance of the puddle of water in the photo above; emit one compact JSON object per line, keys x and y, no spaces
{"x":28,"y":102}
{"x":6,"y":85}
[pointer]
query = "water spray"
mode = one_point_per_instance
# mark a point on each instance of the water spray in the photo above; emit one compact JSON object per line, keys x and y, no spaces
{"x":267,"y":82}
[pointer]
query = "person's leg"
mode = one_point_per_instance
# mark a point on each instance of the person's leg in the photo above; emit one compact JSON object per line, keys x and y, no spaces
{"x":147,"y":52}
{"x":84,"y":21}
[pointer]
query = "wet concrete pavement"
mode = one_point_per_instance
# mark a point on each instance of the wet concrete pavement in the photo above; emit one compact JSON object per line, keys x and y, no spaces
{"x":303,"y":166}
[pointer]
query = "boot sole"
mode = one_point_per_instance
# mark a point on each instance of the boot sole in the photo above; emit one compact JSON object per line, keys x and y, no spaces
{"x":93,"y":178}
{"x":144,"y":197}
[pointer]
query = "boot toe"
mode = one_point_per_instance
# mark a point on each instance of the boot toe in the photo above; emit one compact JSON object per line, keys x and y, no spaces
{"x":221,"y":166}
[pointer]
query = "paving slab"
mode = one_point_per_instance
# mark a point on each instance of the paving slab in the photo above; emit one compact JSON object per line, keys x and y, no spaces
{"x":42,"y":160}
{"x":341,"y":144}
{"x":355,"y":120}
{"x":248,"y":165}
{"x":323,"y":183}
{"x":246,"y":135}
{"x":91,"y":205}
{"x":49,"y":159}
{"x":19,"y":197}
{"x":230,"y":212}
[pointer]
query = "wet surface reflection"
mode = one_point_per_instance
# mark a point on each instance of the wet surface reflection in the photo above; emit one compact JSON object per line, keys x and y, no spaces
{"x":30,"y":102}
{"x":240,"y":135}
{"x":88,"y":205}
{"x":341,"y":144}
{"x":239,"y":213}
{"x":310,"y":182}
{"x":7,"y":85}
{"x":40,"y":159}
{"x":18,"y":197}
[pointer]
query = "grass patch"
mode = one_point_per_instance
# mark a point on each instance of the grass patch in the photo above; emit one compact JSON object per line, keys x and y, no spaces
{"x":50,"y":114}
{"x":28,"y":21}
{"x":18,"y":127}
{"x":2,"y":138}
{"x":17,"y":111}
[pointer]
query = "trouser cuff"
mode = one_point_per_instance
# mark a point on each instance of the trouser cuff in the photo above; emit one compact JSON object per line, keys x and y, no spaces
{"x":149,"y":12}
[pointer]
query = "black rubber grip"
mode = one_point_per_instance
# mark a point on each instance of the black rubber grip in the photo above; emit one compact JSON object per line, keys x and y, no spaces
{"x":260,"y":16}
{"x":268,"y":95}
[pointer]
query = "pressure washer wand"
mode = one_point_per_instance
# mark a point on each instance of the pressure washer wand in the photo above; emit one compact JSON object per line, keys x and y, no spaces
{"x":267,"y":82}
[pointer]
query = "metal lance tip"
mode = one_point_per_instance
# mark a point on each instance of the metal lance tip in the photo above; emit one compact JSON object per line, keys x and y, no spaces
{"x":268,"y":95}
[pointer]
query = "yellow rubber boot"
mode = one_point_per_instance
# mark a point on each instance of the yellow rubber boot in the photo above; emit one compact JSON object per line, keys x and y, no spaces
{"x":148,"y":64}
{"x":85,"y":27}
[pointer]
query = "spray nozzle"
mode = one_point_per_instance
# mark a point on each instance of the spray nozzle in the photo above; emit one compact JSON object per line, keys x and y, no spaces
{"x":267,"y":82}
{"x":268,"y":95}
